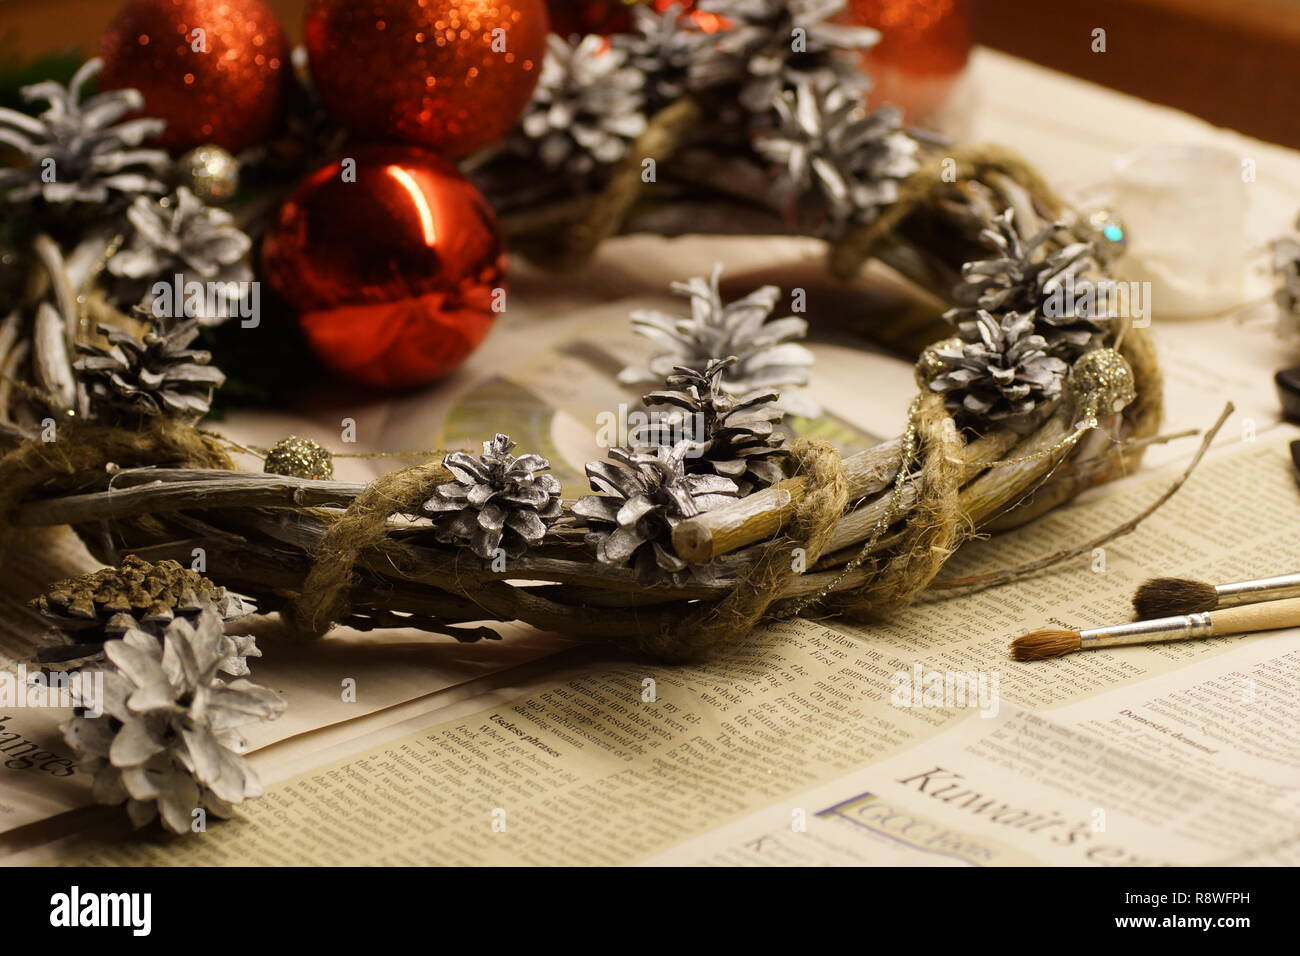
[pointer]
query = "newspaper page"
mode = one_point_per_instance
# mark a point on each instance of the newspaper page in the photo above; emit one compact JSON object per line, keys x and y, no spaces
{"x":1093,"y":759}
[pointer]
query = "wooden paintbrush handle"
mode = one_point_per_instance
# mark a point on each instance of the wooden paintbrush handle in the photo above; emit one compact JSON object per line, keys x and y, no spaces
{"x":1265,"y":616}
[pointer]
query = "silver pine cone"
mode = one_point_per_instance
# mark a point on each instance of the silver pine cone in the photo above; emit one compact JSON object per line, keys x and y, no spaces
{"x":1039,"y":277}
{"x":733,"y":437}
{"x":827,"y":147}
{"x":497,"y":500}
{"x":167,"y":743}
{"x":767,"y":353}
{"x":137,"y":595}
{"x":1006,"y":372}
{"x":1286,"y":269}
{"x":156,"y":375}
{"x":181,"y":235}
{"x":661,"y":47}
{"x":643,"y":496}
{"x":772,"y":45}
{"x":587,"y":109}
{"x":81,"y":148}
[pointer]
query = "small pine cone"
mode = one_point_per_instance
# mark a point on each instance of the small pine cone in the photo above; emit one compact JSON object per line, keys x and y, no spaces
{"x":644,"y":496}
{"x":181,"y":235}
{"x":158,"y":375}
{"x":587,"y":109}
{"x":167,"y":743}
{"x":1032,"y":275}
{"x":838,"y":165}
{"x":757,"y":50}
{"x":662,"y":46}
{"x":103,"y":605}
{"x":496,"y":501}
{"x":768,"y":355}
{"x":81,"y":152}
{"x":1007,"y":373}
{"x":733,"y":437}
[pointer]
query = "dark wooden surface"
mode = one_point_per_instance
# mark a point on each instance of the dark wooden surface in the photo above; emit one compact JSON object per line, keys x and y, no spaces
{"x":1235,"y":63}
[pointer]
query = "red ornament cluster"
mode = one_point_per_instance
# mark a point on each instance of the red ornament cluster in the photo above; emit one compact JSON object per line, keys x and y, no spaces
{"x":392,"y":259}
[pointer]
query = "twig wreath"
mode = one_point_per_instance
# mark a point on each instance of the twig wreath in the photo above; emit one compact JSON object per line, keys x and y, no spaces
{"x":711,"y":521}
{"x":697,"y":533}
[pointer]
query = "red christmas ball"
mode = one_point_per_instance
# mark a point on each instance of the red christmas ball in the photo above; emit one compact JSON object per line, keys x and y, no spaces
{"x":215,"y":70}
{"x":452,"y":74}
{"x":392,"y":260}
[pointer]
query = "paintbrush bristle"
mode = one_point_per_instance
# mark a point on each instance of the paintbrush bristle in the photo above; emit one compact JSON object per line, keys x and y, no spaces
{"x":1037,"y":645}
{"x":1169,"y":597}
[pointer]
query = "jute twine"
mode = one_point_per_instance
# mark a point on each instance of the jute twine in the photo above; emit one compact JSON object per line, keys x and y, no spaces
{"x":323,"y":600}
{"x":603,"y":216}
{"x":935,"y":526}
{"x":850,"y":252}
{"x":798,"y":546}
{"x":81,"y":452}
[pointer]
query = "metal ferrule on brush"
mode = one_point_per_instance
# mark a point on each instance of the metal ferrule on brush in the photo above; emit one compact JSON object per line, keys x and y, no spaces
{"x":1263,"y":589}
{"x":1144,"y":632}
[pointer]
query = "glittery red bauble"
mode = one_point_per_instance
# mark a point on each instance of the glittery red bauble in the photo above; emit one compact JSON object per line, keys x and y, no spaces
{"x":215,"y":70}
{"x":393,"y":274}
{"x":452,"y":74}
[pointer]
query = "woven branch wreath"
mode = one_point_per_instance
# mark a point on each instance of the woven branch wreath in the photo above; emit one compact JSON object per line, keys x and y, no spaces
{"x":714,"y":519}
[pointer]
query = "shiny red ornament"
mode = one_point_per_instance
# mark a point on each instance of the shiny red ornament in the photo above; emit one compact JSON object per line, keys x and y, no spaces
{"x":451,"y":74}
{"x":393,"y":270}
{"x":215,"y":70}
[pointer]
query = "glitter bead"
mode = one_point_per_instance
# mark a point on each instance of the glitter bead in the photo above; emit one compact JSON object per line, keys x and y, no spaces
{"x":928,"y":365}
{"x":209,"y":172}
{"x":1102,"y":382}
{"x":300,"y":458}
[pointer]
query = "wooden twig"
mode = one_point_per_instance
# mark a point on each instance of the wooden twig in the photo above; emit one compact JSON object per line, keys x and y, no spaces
{"x":758,"y":516}
{"x":1009,"y":574}
{"x":230,"y":490}
{"x":51,"y":257}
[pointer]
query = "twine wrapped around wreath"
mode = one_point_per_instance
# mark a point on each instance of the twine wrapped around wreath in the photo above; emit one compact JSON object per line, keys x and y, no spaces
{"x":861,"y":537}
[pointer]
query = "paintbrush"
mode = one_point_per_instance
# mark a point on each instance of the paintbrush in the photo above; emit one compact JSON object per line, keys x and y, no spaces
{"x":1165,"y":597}
{"x":1265,"y":616}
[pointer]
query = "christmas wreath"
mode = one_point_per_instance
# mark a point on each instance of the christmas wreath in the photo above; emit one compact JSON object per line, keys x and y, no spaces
{"x":741,"y":116}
